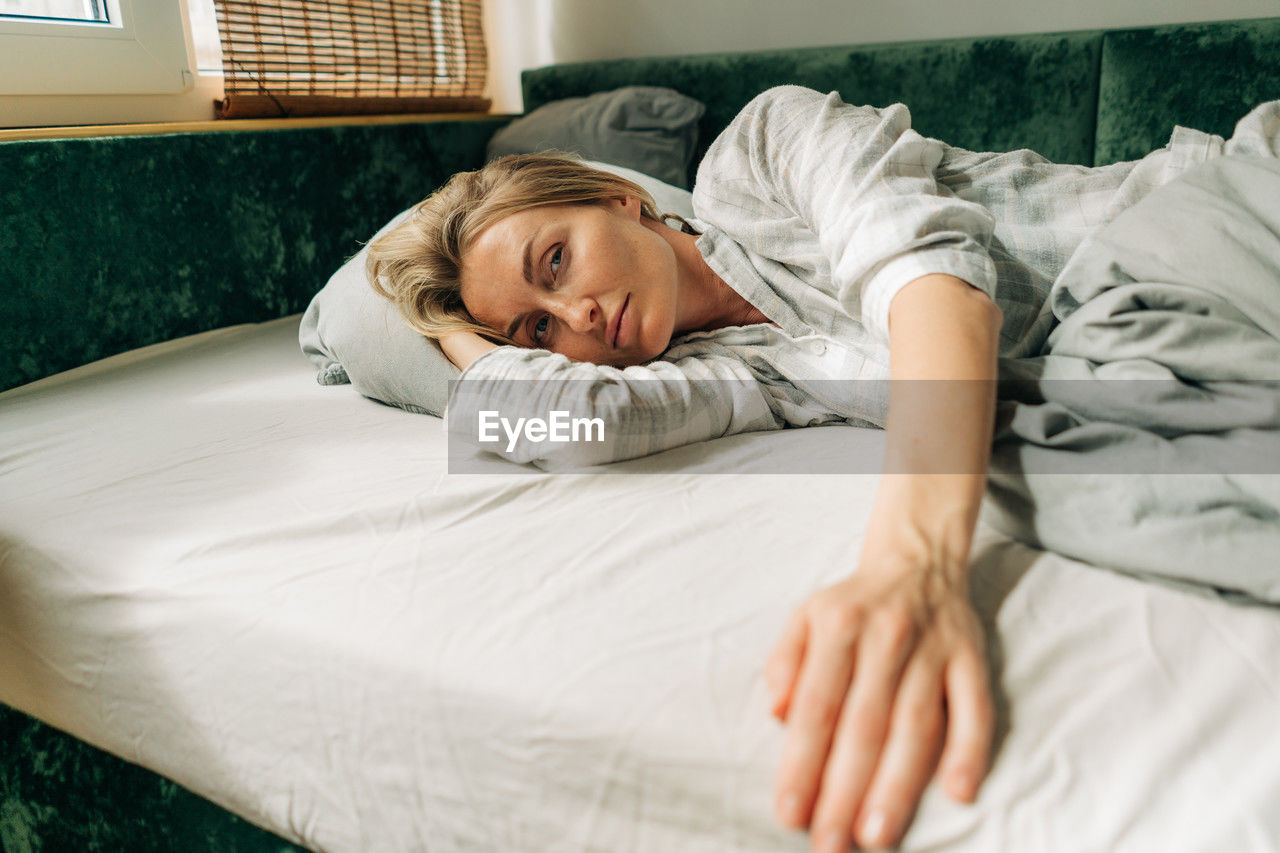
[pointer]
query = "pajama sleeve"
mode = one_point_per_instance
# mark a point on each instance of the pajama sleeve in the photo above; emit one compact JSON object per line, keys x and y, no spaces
{"x":861,"y":180}
{"x":695,"y":393}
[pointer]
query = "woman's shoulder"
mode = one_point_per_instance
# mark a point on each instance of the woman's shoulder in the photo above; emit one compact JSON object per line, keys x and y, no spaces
{"x":782,"y":123}
{"x":756,"y":118}
{"x":779,"y":107}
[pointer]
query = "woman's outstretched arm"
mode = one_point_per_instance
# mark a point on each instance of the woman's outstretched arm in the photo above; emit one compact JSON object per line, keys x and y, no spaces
{"x":877,"y":674}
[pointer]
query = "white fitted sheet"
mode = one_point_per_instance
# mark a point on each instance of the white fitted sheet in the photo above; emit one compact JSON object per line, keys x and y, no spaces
{"x":273,"y":593}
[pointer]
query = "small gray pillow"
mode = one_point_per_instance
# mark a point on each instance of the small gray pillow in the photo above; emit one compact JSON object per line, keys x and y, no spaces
{"x":353,"y":334}
{"x":647,"y":128}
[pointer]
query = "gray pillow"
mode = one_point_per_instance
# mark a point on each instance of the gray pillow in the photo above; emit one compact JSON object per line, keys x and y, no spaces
{"x":352,"y":334}
{"x":647,"y":128}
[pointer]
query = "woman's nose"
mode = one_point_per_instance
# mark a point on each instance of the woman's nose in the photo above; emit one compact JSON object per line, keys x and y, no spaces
{"x":583,"y":315}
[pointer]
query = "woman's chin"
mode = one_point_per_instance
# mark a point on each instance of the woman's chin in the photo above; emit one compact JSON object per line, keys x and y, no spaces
{"x":638,"y":355}
{"x":655,"y":350}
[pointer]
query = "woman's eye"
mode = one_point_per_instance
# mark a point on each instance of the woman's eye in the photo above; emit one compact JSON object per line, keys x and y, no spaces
{"x":540,"y":328}
{"x":555,"y":261}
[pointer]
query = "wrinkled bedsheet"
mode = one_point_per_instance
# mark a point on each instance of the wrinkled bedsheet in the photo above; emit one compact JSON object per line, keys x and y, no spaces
{"x":1146,"y":436}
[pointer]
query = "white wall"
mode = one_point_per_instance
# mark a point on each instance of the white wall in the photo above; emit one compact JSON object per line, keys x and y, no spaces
{"x":529,"y":33}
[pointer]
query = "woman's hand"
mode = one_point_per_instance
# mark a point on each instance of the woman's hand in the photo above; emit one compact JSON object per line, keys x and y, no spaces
{"x":462,"y":348}
{"x":873,"y":676}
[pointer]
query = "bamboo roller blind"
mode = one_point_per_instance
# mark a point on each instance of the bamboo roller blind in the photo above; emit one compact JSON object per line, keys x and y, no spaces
{"x":314,"y":57}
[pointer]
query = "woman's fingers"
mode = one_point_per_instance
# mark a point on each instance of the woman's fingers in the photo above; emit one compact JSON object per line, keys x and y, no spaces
{"x":882,"y":652}
{"x":784,"y":662}
{"x":970,"y":726}
{"x":908,"y":758}
{"x":814,"y":709}
{"x":869,"y":684}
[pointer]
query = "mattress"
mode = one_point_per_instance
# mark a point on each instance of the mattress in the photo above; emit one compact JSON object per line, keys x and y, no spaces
{"x":275,"y":594}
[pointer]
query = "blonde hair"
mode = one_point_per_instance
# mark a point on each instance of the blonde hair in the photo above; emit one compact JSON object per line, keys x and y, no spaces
{"x":417,"y":264}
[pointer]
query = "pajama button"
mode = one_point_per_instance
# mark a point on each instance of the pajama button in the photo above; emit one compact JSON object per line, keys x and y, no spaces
{"x":818,"y":348}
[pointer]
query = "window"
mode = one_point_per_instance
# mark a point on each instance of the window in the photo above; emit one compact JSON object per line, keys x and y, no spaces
{"x":56,"y":10}
{"x":65,"y":47}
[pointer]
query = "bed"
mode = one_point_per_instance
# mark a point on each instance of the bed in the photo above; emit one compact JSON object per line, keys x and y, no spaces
{"x":278,"y":597}
{"x":275,"y":595}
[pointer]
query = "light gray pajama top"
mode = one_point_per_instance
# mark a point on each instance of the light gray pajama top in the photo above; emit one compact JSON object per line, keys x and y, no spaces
{"x":817,"y":213}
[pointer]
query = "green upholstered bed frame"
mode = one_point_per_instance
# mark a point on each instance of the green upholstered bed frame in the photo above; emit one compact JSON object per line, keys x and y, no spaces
{"x":108,"y":244}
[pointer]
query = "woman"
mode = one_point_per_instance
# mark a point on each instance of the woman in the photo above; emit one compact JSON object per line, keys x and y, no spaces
{"x":833,"y":242}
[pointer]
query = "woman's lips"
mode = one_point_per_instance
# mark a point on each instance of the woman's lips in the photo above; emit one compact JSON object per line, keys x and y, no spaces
{"x":622,"y":316}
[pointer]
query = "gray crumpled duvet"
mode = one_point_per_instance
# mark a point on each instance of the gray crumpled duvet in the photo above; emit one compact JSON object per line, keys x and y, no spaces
{"x":1146,"y":435}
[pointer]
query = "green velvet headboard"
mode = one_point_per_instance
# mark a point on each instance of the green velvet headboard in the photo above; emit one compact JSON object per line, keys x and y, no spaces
{"x":1204,"y":76}
{"x":108,"y":244}
{"x":113,"y":243}
{"x":1091,"y":97}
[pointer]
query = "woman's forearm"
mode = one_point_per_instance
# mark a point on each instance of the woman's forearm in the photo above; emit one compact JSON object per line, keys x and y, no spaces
{"x":944,"y":338}
{"x":462,"y":348}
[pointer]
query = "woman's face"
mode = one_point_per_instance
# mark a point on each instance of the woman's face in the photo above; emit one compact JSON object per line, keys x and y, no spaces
{"x":595,"y":282}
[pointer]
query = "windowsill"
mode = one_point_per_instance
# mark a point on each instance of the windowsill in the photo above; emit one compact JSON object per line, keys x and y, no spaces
{"x":155,"y":128}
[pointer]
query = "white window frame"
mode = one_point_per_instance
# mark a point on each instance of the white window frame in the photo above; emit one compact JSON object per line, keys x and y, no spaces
{"x":144,"y":50}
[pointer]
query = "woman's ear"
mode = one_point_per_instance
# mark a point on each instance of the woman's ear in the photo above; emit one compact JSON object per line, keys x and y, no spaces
{"x":629,"y":204}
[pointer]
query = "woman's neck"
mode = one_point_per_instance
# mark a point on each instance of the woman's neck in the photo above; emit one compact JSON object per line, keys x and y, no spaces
{"x":703,"y":300}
